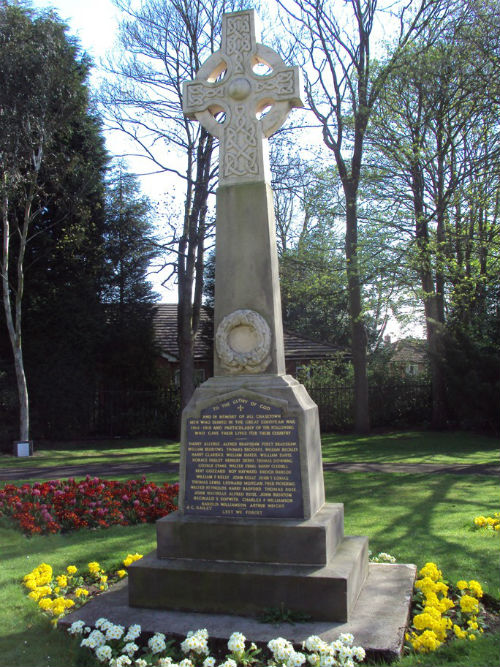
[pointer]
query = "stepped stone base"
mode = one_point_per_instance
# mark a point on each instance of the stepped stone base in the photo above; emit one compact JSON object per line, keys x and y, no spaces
{"x":244,"y":566}
{"x":323,"y":593}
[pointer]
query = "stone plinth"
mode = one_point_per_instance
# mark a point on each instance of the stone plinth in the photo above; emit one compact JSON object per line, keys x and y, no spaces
{"x":288,"y":541}
{"x":326,"y":593}
{"x":252,"y":530}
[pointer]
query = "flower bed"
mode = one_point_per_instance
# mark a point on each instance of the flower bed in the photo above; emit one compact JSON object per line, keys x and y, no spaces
{"x":64,"y":505}
{"x":442,"y":613}
{"x":57,"y":594}
{"x":117,"y":647}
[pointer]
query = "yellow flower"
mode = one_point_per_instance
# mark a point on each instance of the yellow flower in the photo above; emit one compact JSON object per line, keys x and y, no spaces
{"x":94,"y":567}
{"x":57,"y":589}
{"x":461,"y":585}
{"x":104,"y":579}
{"x":445,"y":604}
{"x":131,"y":558}
{"x":426,"y":642}
{"x":431,"y":570}
{"x":45,"y":604}
{"x":473,"y":624}
{"x":472,"y":638}
{"x":81,"y":592}
{"x":71,"y":569}
{"x":469,"y":605}
{"x":459,"y":633}
{"x":475,"y":587}
{"x":121,"y":573}
{"x":62,"y":580}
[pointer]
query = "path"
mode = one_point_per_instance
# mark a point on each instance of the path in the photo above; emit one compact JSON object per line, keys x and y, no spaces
{"x":139,"y":469}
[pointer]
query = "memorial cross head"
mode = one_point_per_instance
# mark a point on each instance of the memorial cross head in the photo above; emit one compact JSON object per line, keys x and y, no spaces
{"x":237,"y":104}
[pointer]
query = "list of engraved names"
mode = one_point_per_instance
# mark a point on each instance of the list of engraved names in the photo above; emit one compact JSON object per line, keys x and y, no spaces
{"x":243,"y":461}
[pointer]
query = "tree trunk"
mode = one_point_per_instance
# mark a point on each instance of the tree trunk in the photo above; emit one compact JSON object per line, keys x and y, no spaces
{"x":14,"y":327}
{"x":430,"y":301}
{"x":191,"y":265}
{"x":358,"y":332}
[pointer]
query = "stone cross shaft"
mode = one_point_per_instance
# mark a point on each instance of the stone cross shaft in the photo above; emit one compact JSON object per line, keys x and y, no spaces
{"x":228,"y":96}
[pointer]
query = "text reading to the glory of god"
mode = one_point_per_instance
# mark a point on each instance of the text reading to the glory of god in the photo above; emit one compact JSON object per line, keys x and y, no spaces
{"x":243,"y":461}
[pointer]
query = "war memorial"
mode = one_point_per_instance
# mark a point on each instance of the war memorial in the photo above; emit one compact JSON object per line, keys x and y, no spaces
{"x":253,"y":530}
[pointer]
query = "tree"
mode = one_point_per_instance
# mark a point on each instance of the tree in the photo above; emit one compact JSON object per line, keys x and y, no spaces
{"x":440,"y":141}
{"x":165,"y":42}
{"x":40,"y":89}
{"x":129,"y":246}
{"x":343,"y":85}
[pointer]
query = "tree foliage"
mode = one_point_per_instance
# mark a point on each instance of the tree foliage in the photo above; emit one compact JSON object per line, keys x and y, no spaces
{"x":40,"y":92}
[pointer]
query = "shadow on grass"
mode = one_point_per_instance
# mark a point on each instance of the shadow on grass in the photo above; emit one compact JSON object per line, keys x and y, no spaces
{"x":420,"y":518}
{"x":424,"y":446}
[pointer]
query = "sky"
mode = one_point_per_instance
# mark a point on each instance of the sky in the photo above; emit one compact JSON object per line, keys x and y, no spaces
{"x":95,"y":24}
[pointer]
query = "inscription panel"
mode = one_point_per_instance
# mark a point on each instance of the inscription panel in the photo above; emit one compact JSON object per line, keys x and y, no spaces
{"x":243,"y":461}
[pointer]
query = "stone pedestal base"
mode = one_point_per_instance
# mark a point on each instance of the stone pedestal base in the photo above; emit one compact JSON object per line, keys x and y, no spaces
{"x":302,"y":566}
{"x":287,"y":541}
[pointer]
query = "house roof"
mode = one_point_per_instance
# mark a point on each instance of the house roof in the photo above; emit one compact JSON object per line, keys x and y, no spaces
{"x":296,"y":347}
{"x":409,"y":350}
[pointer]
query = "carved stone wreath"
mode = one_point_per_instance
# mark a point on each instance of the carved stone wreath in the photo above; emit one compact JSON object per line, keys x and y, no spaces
{"x":243,"y":342}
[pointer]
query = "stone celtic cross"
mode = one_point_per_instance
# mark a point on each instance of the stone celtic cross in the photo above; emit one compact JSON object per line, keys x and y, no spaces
{"x":228,"y":84}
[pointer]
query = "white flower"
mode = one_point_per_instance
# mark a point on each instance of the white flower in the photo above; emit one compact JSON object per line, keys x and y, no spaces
{"x":140,"y":662}
{"x":133,"y":632}
{"x":313,"y":659}
{"x":186,"y":663}
{"x":157,"y":643}
{"x":130,"y":649}
{"x":349,"y":662}
{"x":76,"y":628}
{"x":229,"y":663}
{"x":209,"y":662}
{"x":313,"y":643}
{"x":280,"y":648}
{"x":114,"y":631}
{"x":103,"y":653}
{"x":123,"y":660}
{"x":359,"y":653}
{"x":94,"y":640}
{"x":236,"y":643}
{"x":100,"y":621}
{"x":327,"y":660}
{"x":164,"y":662}
{"x":196,"y":642}
{"x":346,"y":638}
{"x":345,"y":652}
{"x":295,"y":659}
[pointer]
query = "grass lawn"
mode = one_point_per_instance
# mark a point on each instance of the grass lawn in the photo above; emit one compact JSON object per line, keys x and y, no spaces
{"x":412,"y":447}
{"x":143,"y":450}
{"x":397,"y":447}
{"x":413,"y":516}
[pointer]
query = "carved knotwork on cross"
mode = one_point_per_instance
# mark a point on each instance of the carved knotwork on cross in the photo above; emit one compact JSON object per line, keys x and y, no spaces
{"x":227,"y":84}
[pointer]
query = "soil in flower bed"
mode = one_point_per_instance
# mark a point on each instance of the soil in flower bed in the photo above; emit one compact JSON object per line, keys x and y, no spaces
{"x":65,"y":505}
